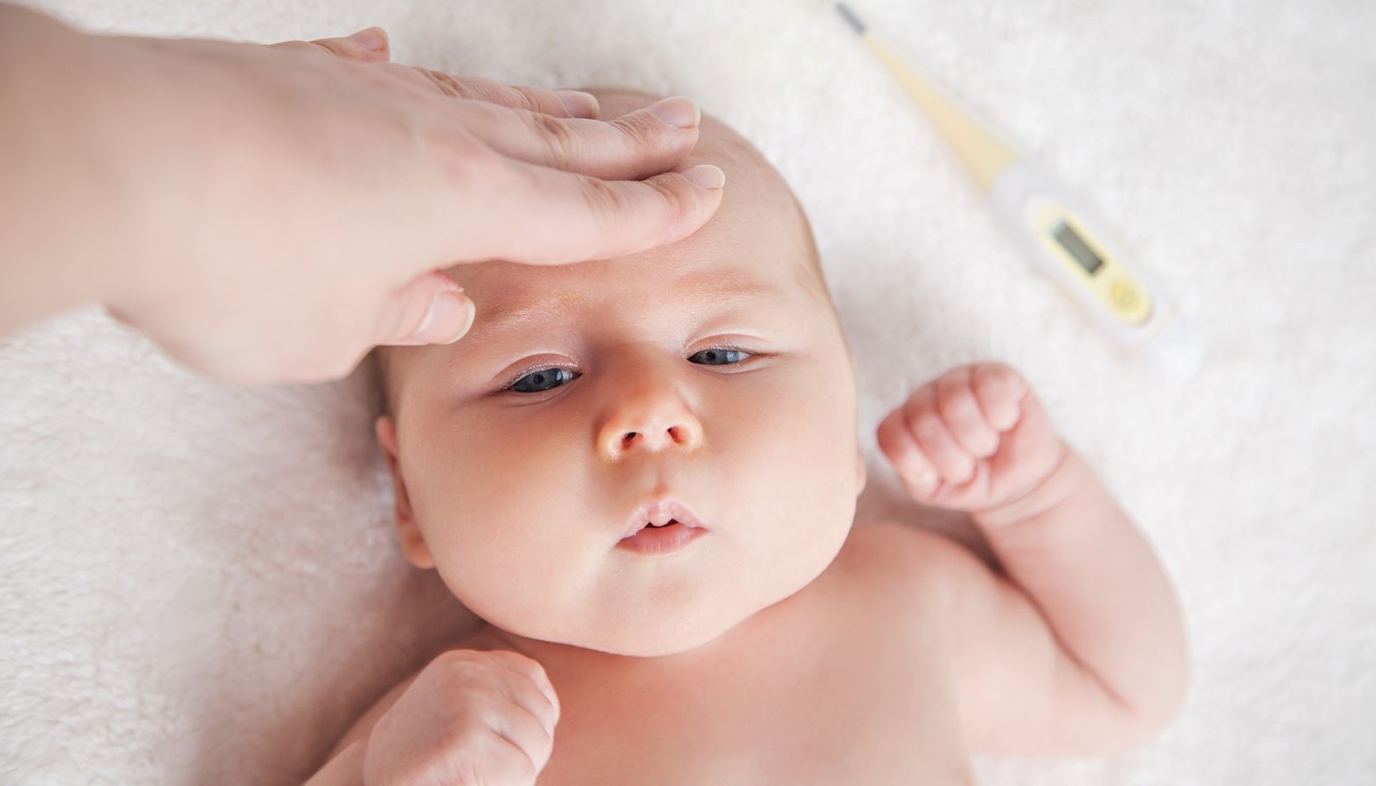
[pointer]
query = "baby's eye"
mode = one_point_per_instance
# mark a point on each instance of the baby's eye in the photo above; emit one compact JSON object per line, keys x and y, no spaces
{"x":718,"y":357}
{"x":542,"y":380}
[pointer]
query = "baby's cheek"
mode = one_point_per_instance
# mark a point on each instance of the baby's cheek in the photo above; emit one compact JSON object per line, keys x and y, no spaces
{"x":512,"y":526}
{"x":803,"y":447}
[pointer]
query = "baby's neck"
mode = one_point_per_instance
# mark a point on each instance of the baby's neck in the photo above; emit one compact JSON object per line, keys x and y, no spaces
{"x":571,"y":659}
{"x":542,"y":651}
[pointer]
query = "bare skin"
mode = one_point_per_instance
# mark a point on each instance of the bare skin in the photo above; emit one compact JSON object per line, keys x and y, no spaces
{"x":268,"y":214}
{"x":804,"y":692}
{"x":785,"y":645}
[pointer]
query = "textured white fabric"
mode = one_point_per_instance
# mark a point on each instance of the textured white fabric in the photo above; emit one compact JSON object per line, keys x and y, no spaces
{"x":201,"y":585}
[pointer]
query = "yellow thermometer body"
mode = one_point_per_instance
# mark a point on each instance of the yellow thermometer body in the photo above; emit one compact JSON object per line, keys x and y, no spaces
{"x":1069,"y":245}
{"x":1058,"y":232}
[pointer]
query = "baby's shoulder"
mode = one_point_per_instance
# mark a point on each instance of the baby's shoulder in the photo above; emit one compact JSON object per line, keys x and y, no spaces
{"x":892,"y":566}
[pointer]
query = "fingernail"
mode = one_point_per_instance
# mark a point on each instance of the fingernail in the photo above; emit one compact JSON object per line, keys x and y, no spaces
{"x":578,"y":103}
{"x":678,"y":111}
{"x":374,"y":39}
{"x":706,"y":176}
{"x":448,"y":320}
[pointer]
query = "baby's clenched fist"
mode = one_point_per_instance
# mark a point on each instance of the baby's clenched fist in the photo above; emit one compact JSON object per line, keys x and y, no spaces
{"x":470,"y":718}
{"x":973,"y":439}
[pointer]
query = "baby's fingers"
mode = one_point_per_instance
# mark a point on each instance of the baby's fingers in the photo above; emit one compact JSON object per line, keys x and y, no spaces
{"x":528,"y":686}
{"x":528,"y":735}
{"x":1000,"y":391}
{"x":923,"y":417}
{"x":915,"y":470}
{"x":962,"y":415}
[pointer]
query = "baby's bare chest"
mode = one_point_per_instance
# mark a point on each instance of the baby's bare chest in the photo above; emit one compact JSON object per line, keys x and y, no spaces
{"x":859,"y":706}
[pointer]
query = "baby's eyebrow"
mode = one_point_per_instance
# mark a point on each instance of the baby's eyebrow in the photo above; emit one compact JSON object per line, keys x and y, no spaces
{"x":699,"y":289}
{"x":508,"y":313}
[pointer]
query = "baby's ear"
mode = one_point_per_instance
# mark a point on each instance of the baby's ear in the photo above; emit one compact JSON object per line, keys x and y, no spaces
{"x":412,"y":541}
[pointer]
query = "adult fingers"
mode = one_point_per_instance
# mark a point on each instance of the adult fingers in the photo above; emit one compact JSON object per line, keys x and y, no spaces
{"x":638,"y":144}
{"x":542,"y":216}
{"x":430,"y":309}
{"x":369,"y":46}
{"x":556,"y":103}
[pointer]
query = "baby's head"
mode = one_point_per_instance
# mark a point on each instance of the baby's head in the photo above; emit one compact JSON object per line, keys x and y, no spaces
{"x":587,"y":399}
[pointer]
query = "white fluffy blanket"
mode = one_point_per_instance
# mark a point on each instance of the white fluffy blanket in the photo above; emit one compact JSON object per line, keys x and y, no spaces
{"x":201,"y":585}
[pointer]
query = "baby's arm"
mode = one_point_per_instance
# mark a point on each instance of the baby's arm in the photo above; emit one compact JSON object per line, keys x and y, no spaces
{"x":1081,"y":647}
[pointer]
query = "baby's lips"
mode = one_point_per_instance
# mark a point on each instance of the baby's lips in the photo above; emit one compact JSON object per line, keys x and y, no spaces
{"x":660,"y":510}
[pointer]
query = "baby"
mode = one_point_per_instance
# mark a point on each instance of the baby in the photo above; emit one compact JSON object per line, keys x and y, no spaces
{"x":641,"y":474}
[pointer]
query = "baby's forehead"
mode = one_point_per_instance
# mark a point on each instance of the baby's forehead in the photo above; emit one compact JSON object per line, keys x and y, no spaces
{"x":697,"y":275}
{"x":747,"y":169}
{"x":758,"y":245}
{"x":758,"y":234}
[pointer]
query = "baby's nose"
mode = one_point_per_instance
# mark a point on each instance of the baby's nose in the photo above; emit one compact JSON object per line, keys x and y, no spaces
{"x":657,"y":425}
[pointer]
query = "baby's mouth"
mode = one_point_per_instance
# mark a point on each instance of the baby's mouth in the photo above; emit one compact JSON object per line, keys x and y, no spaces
{"x":661,"y":515}
{"x":654,"y":539}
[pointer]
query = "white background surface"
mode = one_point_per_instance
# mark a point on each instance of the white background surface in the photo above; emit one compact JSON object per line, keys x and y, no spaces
{"x":200,"y":585}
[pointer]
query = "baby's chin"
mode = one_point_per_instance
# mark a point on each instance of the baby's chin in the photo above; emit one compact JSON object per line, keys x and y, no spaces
{"x":639,"y":635}
{"x":660,"y":630}
{"x":659,"y":641}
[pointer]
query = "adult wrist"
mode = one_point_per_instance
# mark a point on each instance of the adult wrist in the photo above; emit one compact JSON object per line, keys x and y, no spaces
{"x":59,"y":223}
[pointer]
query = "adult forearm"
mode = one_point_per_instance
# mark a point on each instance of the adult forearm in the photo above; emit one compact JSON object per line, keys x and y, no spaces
{"x":1096,"y":580}
{"x":61,"y":234}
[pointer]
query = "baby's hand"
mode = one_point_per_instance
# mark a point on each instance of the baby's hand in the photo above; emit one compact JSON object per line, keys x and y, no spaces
{"x":973,"y":439}
{"x":469,"y":717}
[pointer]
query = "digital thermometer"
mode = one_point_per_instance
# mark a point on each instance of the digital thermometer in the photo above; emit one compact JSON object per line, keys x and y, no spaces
{"x":1058,"y":232}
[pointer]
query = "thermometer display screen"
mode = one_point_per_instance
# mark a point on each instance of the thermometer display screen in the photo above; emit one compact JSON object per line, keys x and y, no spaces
{"x":1078,"y":248}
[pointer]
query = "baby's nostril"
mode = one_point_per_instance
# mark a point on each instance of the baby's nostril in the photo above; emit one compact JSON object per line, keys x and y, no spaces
{"x":628,"y":439}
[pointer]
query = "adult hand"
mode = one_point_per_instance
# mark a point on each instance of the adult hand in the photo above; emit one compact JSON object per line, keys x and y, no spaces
{"x":268,"y":214}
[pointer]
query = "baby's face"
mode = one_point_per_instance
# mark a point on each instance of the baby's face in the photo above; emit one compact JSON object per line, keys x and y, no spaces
{"x":704,"y":380}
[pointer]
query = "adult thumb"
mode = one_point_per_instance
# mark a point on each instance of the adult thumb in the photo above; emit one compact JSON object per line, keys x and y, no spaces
{"x":432,"y":309}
